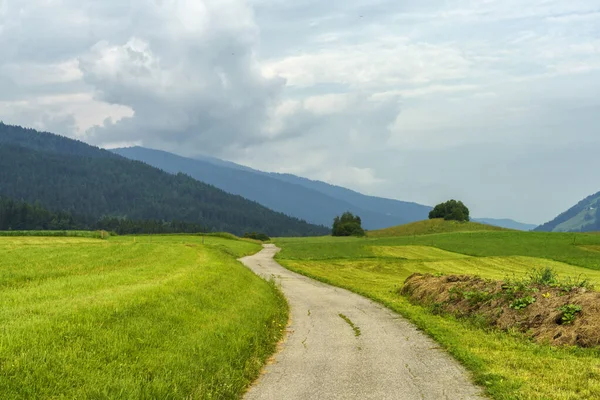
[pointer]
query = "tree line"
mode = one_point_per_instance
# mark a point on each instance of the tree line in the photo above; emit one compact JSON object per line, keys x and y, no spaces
{"x":22,"y":216}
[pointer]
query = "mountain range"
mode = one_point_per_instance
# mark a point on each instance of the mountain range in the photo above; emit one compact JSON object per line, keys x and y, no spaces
{"x":506,"y":223}
{"x":136,"y":183}
{"x":314,"y":201}
{"x":62,"y":174}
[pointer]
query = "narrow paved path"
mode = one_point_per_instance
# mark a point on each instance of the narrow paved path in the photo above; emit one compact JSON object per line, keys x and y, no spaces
{"x":323,"y":358}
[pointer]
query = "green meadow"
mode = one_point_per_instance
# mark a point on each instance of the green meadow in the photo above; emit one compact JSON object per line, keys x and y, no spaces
{"x":176,"y":316}
{"x":155,"y":317}
{"x":507,"y":364}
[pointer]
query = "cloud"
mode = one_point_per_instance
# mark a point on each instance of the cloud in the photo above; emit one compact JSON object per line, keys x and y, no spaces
{"x":413,"y":100}
{"x":192,"y":78}
{"x":575,"y":18}
{"x":389,"y":61}
{"x":53,"y":120}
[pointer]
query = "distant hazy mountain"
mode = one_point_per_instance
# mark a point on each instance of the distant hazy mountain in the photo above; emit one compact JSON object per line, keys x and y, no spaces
{"x":583,"y":217}
{"x":506,"y":223}
{"x":314,"y":201}
{"x":64,"y":174}
{"x":392,"y":209}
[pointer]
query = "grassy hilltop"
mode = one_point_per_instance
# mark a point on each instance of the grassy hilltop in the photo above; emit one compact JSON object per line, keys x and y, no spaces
{"x":431,"y":226}
{"x":132,"y":317}
{"x":508,"y":365}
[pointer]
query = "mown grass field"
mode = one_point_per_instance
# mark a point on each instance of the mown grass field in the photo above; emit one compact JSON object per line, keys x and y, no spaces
{"x":507,"y":365}
{"x":161,"y":317}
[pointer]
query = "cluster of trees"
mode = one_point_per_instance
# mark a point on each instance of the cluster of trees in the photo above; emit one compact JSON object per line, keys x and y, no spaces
{"x":20,"y":215}
{"x":63,"y":174}
{"x":257,"y":236}
{"x":347,"y":225}
{"x":451,"y":210}
{"x":124,"y":226}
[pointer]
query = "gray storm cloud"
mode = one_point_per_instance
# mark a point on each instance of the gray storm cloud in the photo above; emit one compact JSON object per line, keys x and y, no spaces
{"x":190,"y":77}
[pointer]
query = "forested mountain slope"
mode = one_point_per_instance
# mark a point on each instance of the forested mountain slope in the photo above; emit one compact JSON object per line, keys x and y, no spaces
{"x":314,"y":201}
{"x":49,"y":142}
{"x":391,"y":208}
{"x":63,"y":174}
{"x":583,"y":217}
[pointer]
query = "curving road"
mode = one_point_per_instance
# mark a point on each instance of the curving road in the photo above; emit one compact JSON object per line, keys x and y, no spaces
{"x":367,"y":352}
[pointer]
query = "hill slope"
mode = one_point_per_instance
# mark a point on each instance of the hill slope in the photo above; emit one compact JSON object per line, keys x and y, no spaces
{"x":431,"y":226}
{"x":392,"y":209}
{"x":313,"y":201}
{"x":63,"y":174}
{"x":583,"y":217}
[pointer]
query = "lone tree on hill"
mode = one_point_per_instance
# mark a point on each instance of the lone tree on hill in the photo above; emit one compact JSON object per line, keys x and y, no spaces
{"x":347,"y":225}
{"x":451,"y":210}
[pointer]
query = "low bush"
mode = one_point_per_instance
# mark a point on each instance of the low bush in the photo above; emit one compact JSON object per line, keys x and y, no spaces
{"x":257,"y":236}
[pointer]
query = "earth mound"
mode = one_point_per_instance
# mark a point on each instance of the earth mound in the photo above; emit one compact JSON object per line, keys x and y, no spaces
{"x":556,"y":312}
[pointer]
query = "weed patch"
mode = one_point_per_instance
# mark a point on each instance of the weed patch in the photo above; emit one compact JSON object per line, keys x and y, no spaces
{"x":569,"y":312}
{"x":521,"y":303}
{"x":355,"y":328}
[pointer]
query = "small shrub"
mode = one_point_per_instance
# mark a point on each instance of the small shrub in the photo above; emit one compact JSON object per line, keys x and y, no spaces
{"x":569,"y":311}
{"x":521,"y":303}
{"x":546,"y":276}
{"x":477,"y":296}
{"x":543,"y":277}
{"x":514,"y":288}
{"x":257,"y":236}
{"x":570,"y":283}
{"x":456,"y":293}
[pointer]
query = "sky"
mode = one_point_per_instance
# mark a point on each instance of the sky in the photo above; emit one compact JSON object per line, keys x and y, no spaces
{"x":491,"y":102}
